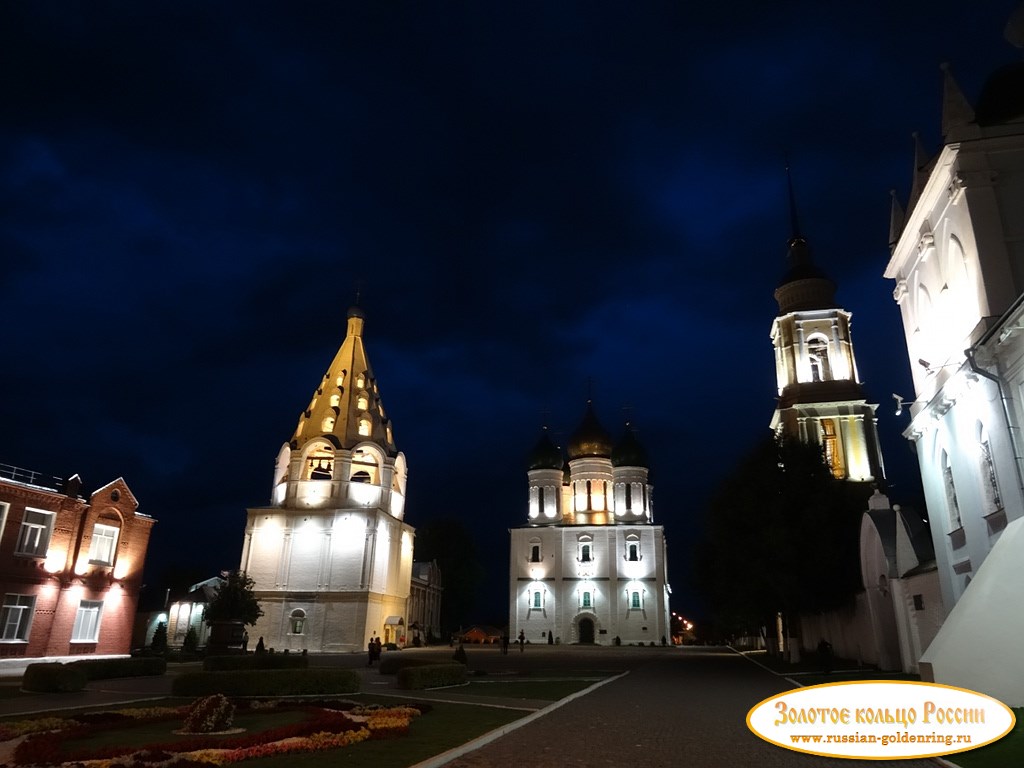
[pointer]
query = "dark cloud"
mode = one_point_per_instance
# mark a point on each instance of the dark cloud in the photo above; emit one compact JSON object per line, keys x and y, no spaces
{"x":527,"y":196}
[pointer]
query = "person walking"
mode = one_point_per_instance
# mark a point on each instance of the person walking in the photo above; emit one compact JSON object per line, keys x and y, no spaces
{"x":522,"y":640}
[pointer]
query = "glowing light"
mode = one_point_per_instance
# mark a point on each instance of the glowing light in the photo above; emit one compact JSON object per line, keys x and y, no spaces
{"x":54,"y":561}
{"x":122,"y":568}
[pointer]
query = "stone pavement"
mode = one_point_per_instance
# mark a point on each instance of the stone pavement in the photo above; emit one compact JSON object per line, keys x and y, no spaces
{"x":687,"y":708}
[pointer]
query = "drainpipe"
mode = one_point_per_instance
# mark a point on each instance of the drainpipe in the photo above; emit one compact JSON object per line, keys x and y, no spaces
{"x":1001,"y":383}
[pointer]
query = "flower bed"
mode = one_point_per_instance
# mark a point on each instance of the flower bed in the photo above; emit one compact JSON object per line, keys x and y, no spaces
{"x":329,"y":725}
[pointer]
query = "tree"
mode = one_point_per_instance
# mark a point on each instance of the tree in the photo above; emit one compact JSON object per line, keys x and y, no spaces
{"x":235,"y":600}
{"x":781,"y":537}
{"x":159,"y":642}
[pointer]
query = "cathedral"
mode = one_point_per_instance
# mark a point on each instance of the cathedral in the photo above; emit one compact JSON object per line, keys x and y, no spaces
{"x":589,"y":564}
{"x":820,"y":395}
{"x":331,"y":556}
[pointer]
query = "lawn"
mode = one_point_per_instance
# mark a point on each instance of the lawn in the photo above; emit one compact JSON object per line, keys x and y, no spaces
{"x":1009,"y":750}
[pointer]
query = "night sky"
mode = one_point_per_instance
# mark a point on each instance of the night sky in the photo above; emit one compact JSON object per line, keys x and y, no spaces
{"x":530,"y":195}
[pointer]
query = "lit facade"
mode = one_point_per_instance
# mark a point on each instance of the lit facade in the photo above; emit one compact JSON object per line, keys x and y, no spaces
{"x":958,"y":267}
{"x":70,"y":567}
{"x":331,"y":556}
{"x":589,"y":565}
{"x":820,"y":395}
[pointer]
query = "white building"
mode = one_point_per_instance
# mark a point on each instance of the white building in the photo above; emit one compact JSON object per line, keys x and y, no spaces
{"x":958,"y":264}
{"x":589,"y":565}
{"x":331,"y":556}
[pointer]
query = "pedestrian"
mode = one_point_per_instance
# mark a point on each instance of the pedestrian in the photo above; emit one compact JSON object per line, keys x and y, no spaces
{"x":825,"y":655}
{"x":371,"y":652}
{"x":260,"y":648}
{"x":522,"y":640}
{"x":504,"y":644}
{"x":377,"y":647}
{"x":245,"y":642}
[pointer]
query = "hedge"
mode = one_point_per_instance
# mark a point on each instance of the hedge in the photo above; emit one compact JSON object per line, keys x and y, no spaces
{"x":53,"y":677}
{"x":431,"y":676}
{"x":393,"y":662}
{"x":256,"y":661}
{"x":104,"y":669}
{"x":272,"y":682}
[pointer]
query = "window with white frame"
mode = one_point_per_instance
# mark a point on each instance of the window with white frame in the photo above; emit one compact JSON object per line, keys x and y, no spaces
{"x":990,"y":484}
{"x":297,"y":621}
{"x":585,"y":549}
{"x":535,"y":552}
{"x":587,"y":600}
{"x":87,"y":622}
{"x":16,"y":616}
{"x":4,"y":506}
{"x":536,"y":600}
{"x":103,"y":544}
{"x":635,"y":602}
{"x":34,"y":536}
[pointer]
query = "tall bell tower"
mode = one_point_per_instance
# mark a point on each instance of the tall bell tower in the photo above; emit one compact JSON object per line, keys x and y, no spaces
{"x":820,"y":395}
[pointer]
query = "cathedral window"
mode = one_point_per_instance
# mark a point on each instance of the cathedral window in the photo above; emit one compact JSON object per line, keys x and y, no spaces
{"x":950,"y":487}
{"x":364,"y":427}
{"x":634,"y":601}
{"x":327,"y":425}
{"x":335,"y":401}
{"x":360,"y":381}
{"x":535,"y":553}
{"x":817,"y":355}
{"x":536,"y":600}
{"x":830,"y":444}
{"x":362,"y":401}
{"x":634,"y":552}
{"x":586,"y":602}
{"x":297,"y":622}
{"x":989,"y":483}
{"x":585,"y":553}
{"x":340,"y":380}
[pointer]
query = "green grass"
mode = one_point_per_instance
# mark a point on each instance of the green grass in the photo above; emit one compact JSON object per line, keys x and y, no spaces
{"x":545,"y":690}
{"x":1009,"y":750}
{"x":128,"y":735}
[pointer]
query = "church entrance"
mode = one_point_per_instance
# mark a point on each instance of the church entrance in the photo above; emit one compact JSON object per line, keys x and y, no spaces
{"x":586,"y":629}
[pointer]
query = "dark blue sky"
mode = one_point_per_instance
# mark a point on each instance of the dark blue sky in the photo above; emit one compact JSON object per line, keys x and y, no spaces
{"x":531,"y":195}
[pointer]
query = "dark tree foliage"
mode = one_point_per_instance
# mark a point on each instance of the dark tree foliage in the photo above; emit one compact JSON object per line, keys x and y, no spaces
{"x":450,"y":543}
{"x":159,"y":642}
{"x":781,"y":535}
{"x":235,"y":601}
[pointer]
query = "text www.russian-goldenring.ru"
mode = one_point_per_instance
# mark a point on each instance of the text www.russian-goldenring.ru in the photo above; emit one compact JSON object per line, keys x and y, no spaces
{"x":885,"y":740}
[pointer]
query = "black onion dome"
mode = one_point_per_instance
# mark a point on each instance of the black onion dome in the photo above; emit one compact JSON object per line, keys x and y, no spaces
{"x":804,"y":286}
{"x":355,"y":311}
{"x":1002,"y":98}
{"x":546,"y":455}
{"x":628,"y":452}
{"x":590,"y":439}
{"x":801,"y":264}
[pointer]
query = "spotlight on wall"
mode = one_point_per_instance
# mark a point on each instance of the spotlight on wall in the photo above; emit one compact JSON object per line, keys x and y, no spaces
{"x":899,"y":404}
{"x":924,"y":364}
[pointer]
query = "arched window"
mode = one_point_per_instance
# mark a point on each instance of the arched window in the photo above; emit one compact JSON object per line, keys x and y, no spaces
{"x":989,"y":482}
{"x":360,"y":381}
{"x":830,"y":442}
{"x":362,"y":401}
{"x":327,"y":425}
{"x":335,"y":400}
{"x":364,"y":427}
{"x":634,"y":601}
{"x":365,"y":466}
{"x":297,"y":621}
{"x":320,"y":463}
{"x":340,"y":380}
{"x":951,"y":501}
{"x":817,"y":355}
{"x":586,"y":603}
{"x":585,"y":553}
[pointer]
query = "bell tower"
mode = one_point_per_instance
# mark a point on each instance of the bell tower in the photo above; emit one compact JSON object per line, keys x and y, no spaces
{"x":331,"y":556}
{"x":820,"y":397}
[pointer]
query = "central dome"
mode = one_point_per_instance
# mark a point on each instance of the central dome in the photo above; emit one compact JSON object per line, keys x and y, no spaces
{"x":590,"y":438}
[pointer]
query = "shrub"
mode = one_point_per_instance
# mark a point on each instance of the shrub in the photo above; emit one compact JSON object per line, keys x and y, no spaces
{"x":53,"y":677}
{"x":104,"y":669}
{"x":159,"y":643}
{"x":460,"y":655}
{"x":390,"y":664}
{"x":431,"y":676}
{"x":271,"y":682}
{"x":191,"y":642}
{"x":256,"y":661}
{"x":210,"y":714}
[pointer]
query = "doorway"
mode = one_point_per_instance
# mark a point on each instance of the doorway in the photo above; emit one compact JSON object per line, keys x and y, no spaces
{"x":586,"y":629}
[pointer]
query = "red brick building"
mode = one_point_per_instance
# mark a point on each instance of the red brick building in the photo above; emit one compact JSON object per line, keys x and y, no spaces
{"x":70,"y":568}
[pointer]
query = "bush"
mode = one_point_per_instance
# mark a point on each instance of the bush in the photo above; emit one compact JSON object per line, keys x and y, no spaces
{"x":191,"y":642}
{"x":53,"y":677}
{"x":390,"y":664}
{"x":460,"y":655}
{"x":104,"y":669}
{"x":431,"y":676}
{"x":272,"y":682}
{"x":210,"y":715}
{"x":159,"y":642}
{"x":256,"y":661}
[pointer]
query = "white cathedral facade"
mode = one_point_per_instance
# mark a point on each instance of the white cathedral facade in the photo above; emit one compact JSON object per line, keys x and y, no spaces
{"x":589,"y":565}
{"x":331,"y":556}
{"x":958,"y":267}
